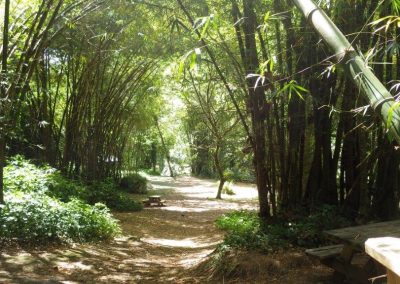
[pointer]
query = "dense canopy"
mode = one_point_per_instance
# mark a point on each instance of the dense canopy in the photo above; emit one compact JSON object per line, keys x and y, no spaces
{"x":298,"y":98}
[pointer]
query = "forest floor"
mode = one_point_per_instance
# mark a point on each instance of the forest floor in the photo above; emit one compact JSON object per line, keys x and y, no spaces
{"x":160,"y":245}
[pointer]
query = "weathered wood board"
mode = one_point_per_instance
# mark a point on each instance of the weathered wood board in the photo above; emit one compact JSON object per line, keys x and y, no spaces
{"x":358,"y":235}
{"x":386,"y":251}
{"x":326,"y":252}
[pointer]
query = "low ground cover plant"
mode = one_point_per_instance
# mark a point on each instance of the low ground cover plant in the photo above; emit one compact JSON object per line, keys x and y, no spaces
{"x":244,"y":229}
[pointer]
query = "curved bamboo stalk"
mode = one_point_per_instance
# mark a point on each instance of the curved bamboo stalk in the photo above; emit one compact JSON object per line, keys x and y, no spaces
{"x":379,"y":98}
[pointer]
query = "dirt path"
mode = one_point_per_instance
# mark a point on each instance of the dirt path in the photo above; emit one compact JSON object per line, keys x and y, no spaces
{"x":159,"y":244}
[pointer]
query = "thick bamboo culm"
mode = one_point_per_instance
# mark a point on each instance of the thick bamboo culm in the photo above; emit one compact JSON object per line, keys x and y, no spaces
{"x":376,"y":93}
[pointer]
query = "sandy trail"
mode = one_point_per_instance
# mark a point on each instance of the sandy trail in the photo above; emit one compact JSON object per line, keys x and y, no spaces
{"x":158,"y":245}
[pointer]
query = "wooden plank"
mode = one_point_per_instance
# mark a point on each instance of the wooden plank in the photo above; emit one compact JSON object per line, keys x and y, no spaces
{"x":386,"y":251}
{"x":358,"y":235}
{"x":325,"y":252}
{"x":392,"y":278}
{"x":347,"y":253}
{"x":353,"y":274}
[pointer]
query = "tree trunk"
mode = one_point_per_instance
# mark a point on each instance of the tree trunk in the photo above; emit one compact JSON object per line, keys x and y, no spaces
{"x":171,"y":172}
{"x":153,"y":156}
{"x":3,"y":82}
{"x":257,"y":107}
{"x":45,"y":130}
{"x":385,"y":203}
{"x":220,"y":171}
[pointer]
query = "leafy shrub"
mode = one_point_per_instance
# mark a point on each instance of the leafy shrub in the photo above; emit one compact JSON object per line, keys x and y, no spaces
{"x":307,"y":232}
{"x":239,"y":174}
{"x":134,"y":183}
{"x":152,"y":172}
{"x":65,"y":189}
{"x":243,"y":230}
{"x":107,"y":192}
{"x":43,"y":206}
{"x":228,"y":188}
{"x":246,"y":230}
{"x":21,"y":175}
{"x":37,"y":217}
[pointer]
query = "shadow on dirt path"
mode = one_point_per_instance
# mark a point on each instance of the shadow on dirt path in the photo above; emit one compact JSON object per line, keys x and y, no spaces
{"x":158,"y":244}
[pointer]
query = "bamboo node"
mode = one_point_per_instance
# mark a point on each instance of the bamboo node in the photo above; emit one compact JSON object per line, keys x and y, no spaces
{"x":377,"y":104}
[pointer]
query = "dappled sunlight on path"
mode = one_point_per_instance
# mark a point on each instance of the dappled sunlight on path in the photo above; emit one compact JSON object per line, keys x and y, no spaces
{"x":158,"y":246}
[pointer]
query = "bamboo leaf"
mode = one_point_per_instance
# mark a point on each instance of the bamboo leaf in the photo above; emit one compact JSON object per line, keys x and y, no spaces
{"x":205,"y":28}
{"x":390,"y":114}
{"x":267,"y":17}
{"x":192,"y":64}
{"x":182,"y":63}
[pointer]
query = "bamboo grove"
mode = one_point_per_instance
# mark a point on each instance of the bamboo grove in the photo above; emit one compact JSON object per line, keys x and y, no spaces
{"x":314,"y":137}
{"x":72,"y":86}
{"x":84,"y":85}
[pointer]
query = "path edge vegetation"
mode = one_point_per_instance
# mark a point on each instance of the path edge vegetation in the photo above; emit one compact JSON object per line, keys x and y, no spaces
{"x":45,"y":207}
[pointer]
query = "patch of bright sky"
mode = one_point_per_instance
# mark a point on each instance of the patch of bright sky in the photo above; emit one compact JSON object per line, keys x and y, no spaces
{"x":172,"y":113}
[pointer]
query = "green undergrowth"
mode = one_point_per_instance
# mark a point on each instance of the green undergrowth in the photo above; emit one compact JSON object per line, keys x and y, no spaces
{"x":24,"y":176}
{"x":239,"y":175}
{"x":38,"y":218}
{"x":244,"y":229}
{"x":228,"y":188}
{"x":43,"y":206}
{"x":152,"y":172}
{"x":134,"y":183}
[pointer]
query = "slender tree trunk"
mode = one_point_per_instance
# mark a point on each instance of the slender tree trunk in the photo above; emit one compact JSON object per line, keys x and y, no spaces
{"x":153,"y":156}
{"x":3,"y":82}
{"x":385,"y":203}
{"x":257,"y":106}
{"x":45,"y":130}
{"x":279,"y":110}
{"x":171,"y":172}
{"x":220,"y":170}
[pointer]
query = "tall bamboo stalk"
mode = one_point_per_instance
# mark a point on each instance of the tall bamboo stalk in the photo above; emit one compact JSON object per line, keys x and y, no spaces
{"x":3,"y":87}
{"x":376,"y":93}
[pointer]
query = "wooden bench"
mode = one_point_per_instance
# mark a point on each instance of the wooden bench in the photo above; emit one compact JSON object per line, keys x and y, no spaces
{"x":326,"y":253}
{"x":386,"y":251}
{"x":333,"y":256}
{"x":154,"y":200}
{"x":349,"y":260}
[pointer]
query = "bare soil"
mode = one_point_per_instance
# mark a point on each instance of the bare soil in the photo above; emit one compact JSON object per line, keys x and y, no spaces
{"x":170,"y":244}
